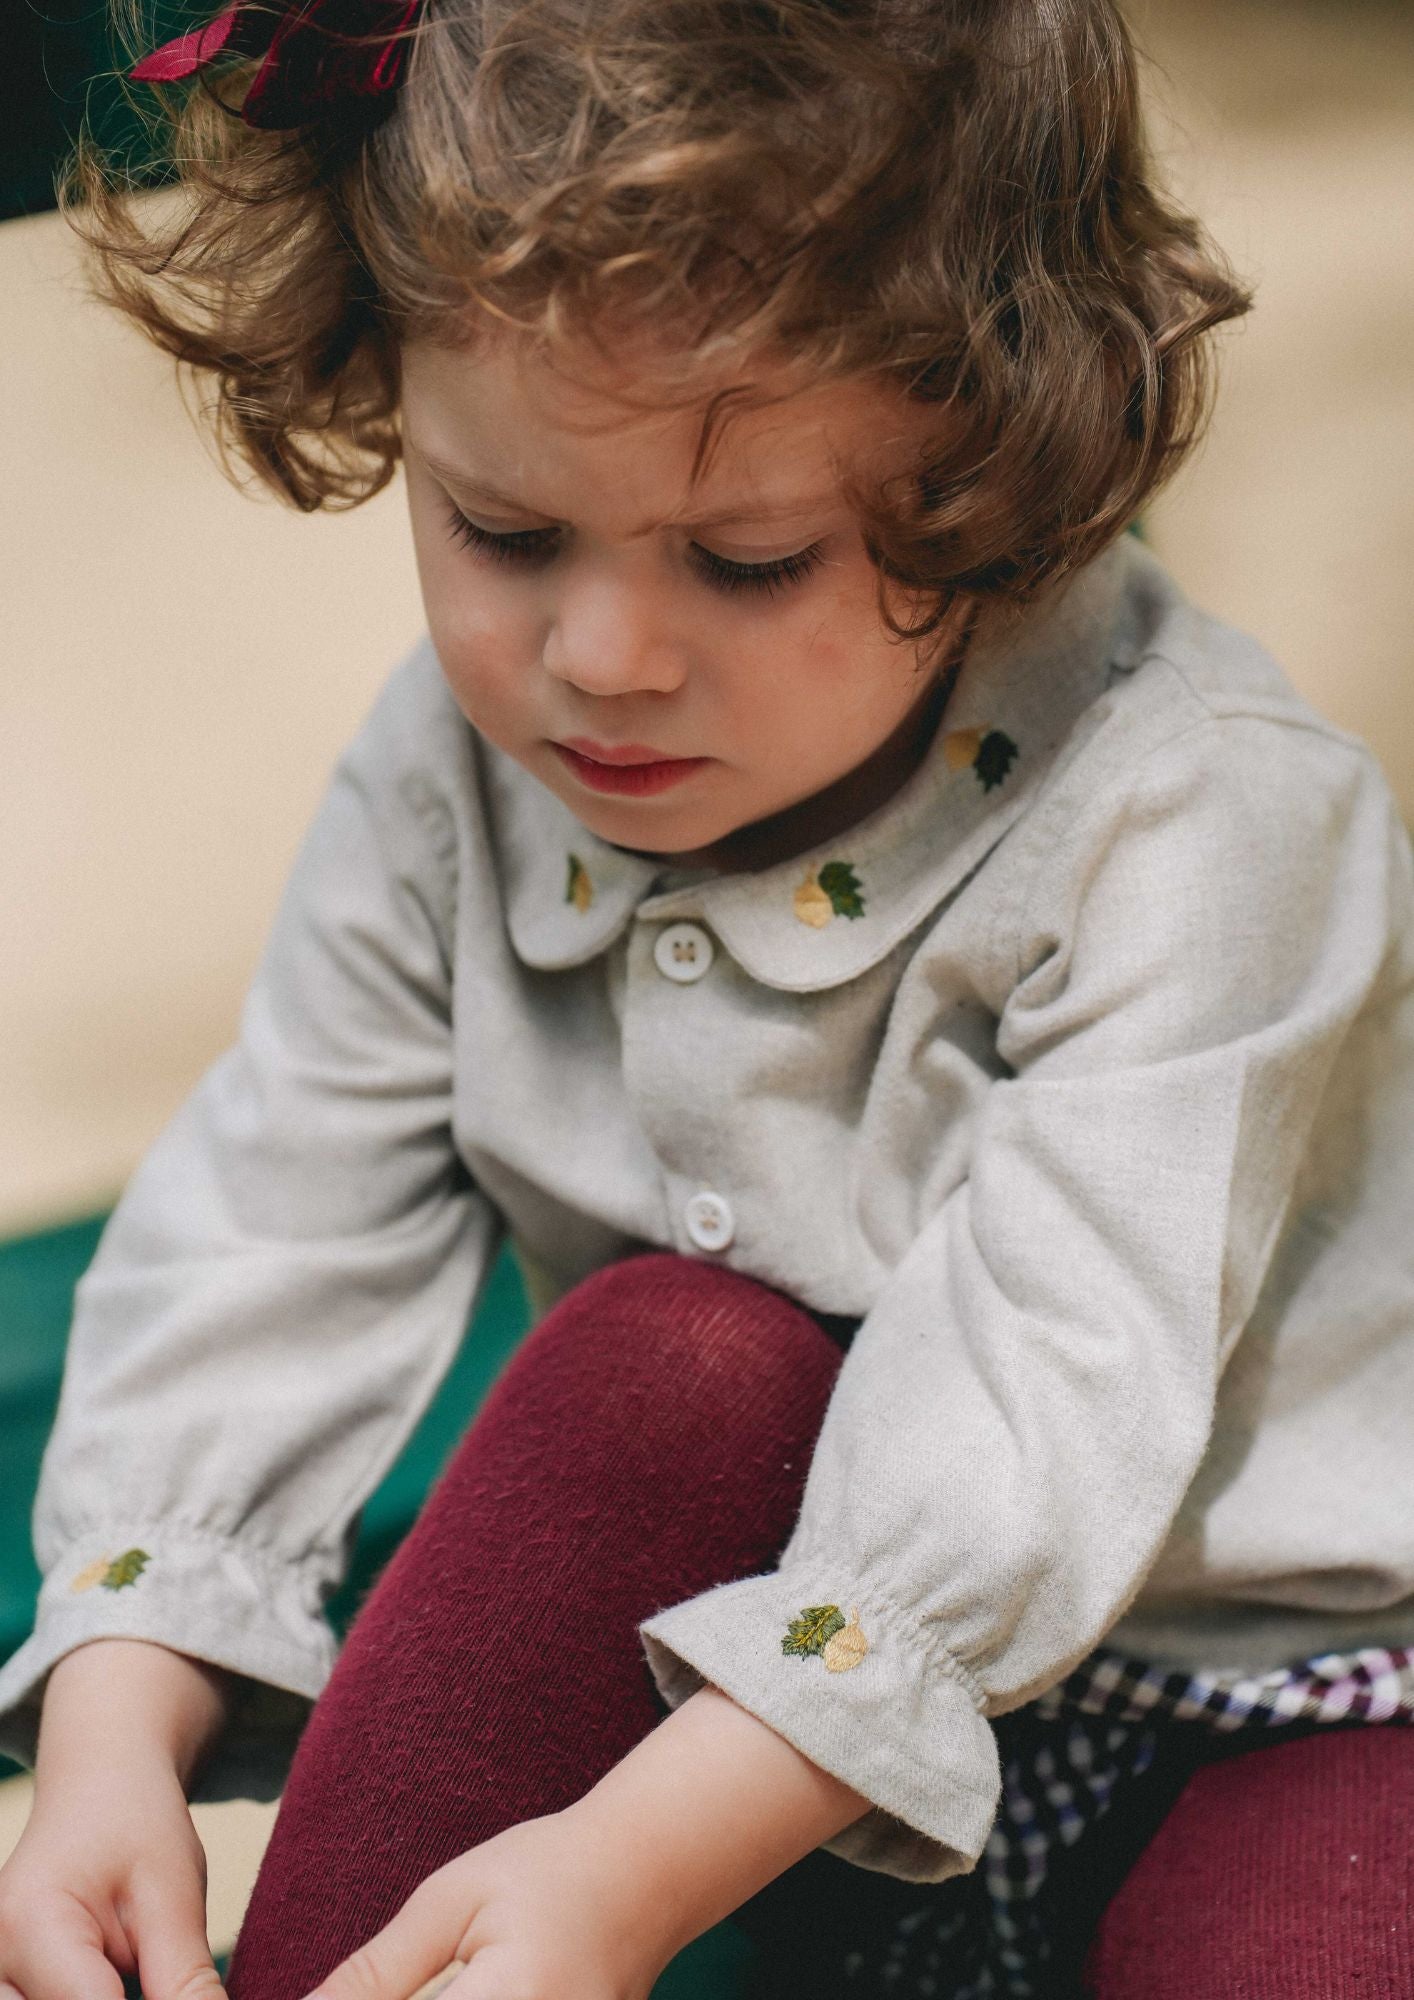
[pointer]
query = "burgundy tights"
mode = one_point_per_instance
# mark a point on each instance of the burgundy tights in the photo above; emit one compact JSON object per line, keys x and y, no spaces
{"x":649,"y":1439}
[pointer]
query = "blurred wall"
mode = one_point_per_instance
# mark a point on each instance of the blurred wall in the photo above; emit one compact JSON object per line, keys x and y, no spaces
{"x":1290,"y":129}
{"x":180,"y":663}
{"x":179,"y":666}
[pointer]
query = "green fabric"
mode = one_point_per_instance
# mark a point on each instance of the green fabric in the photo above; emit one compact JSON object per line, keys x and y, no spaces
{"x":37,"y":1279}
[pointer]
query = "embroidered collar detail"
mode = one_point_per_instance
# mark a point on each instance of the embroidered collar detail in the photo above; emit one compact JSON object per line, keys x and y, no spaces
{"x":825,"y":916}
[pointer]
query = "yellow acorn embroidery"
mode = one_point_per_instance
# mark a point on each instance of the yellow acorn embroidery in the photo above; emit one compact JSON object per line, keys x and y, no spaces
{"x":990,"y":752}
{"x":821,"y":1628}
{"x":834,"y":891}
{"x":579,"y":890}
{"x":113,"y":1572}
{"x":847,"y":1647}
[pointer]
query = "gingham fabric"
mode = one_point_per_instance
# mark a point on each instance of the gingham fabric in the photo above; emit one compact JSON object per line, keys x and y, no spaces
{"x":1065,"y":1757}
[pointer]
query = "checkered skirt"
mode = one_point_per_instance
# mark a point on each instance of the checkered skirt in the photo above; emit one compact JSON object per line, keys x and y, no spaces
{"x":1066,"y":1757}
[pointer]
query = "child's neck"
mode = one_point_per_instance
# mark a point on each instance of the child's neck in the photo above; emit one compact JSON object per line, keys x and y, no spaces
{"x":798,"y":828}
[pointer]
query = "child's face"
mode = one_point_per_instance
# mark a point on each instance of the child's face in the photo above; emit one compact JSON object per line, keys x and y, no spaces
{"x":617,"y":619}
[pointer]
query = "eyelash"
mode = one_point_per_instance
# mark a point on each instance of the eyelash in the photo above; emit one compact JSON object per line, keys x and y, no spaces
{"x":537,"y":545}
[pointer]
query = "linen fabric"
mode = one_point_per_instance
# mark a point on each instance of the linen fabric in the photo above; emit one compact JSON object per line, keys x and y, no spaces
{"x":1081,"y":1074}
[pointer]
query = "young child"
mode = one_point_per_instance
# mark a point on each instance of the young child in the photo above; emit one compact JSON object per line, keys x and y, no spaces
{"x":932,"y":1011}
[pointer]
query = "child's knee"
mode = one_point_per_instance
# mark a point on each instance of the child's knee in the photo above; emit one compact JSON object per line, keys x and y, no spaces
{"x":682,"y":1334}
{"x":1295,"y":1853}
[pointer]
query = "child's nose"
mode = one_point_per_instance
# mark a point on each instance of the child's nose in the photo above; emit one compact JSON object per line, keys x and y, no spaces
{"x":608,"y":638}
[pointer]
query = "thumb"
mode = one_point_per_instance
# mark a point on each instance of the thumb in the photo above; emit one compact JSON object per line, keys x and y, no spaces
{"x":410,"y":1955}
{"x":174,"y":1960}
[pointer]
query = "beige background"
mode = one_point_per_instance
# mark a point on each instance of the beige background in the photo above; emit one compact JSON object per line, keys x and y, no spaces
{"x":182,"y":663}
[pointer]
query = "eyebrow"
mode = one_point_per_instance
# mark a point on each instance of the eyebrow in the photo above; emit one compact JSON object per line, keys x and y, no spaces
{"x":785,"y":510}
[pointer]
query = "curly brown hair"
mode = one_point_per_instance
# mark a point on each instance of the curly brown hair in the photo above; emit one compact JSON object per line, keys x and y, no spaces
{"x":950,"y":196}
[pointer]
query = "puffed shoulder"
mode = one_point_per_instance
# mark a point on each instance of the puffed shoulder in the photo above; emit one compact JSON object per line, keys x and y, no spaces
{"x":1245,"y":880}
{"x":1201,"y":775}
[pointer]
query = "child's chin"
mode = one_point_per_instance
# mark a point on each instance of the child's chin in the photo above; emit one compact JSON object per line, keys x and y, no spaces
{"x":683,"y":841}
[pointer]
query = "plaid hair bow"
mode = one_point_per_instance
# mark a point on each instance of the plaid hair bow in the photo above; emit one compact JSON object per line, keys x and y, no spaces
{"x":319,"y":54}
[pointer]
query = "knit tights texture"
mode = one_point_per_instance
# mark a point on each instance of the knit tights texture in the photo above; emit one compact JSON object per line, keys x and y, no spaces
{"x":650,"y":1439}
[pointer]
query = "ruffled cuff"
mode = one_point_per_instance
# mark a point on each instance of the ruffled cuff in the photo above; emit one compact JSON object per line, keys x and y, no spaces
{"x":225,"y":1602}
{"x":876,"y":1701}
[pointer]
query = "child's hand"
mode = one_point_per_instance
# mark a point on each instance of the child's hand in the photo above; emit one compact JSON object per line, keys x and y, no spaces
{"x":108,"y":1877}
{"x":592,"y":1902}
{"x":534,"y":1915}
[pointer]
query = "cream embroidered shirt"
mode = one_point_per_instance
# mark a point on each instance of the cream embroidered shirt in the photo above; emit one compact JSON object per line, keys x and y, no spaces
{"x":1081,"y":1073}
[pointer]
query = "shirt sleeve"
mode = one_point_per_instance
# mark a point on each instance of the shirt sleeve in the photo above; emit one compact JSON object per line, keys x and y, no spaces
{"x":1019,"y":1415}
{"x":278,"y":1293}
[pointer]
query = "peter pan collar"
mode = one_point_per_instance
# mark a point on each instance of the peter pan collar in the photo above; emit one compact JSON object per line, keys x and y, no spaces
{"x":828,"y":915}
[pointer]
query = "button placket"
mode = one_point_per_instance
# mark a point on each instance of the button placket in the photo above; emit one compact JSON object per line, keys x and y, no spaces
{"x":671,"y":1015}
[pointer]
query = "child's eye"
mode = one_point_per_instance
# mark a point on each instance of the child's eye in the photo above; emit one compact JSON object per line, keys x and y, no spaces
{"x":767,"y":576}
{"x":533,"y":545}
{"x":530,"y":545}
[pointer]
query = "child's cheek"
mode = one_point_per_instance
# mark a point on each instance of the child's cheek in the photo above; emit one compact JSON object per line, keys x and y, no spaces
{"x":490,"y":645}
{"x":847,"y":665}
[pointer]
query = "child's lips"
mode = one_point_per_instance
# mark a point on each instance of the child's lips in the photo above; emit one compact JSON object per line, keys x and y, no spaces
{"x":637,"y":779}
{"x":622,"y":753}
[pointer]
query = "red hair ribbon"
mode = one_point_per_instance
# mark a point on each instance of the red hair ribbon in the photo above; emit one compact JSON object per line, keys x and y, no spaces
{"x":312,"y":63}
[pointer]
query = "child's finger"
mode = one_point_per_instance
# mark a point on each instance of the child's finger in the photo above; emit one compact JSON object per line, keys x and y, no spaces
{"x":411,"y":1953}
{"x":169,"y":1936}
{"x":487,"y":1976}
{"x":434,"y":1986}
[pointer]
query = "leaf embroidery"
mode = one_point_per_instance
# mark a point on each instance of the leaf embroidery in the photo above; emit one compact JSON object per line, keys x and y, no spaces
{"x":994,"y":758}
{"x":821,"y":1629}
{"x":841,"y":885}
{"x":113,"y":1572}
{"x":126,"y":1568}
{"x":990,"y":752}
{"x":834,"y":892}
{"x":808,"y":1632}
{"x":579,"y":890}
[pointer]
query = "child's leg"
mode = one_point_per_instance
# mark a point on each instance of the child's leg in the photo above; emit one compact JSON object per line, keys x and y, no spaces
{"x":1281,"y":1873}
{"x":648,"y":1440}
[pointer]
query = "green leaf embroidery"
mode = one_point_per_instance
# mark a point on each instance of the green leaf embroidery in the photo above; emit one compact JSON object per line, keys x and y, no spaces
{"x":842,"y":886}
{"x":126,"y":1568}
{"x":579,"y":890}
{"x":808,"y":1632}
{"x":995,"y":754}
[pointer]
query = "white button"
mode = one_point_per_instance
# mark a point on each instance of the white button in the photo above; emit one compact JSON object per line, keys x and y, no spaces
{"x":709,"y":1221}
{"x":682,"y":952}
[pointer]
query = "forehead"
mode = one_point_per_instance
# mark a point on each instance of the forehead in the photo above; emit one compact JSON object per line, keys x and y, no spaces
{"x":501,"y":412}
